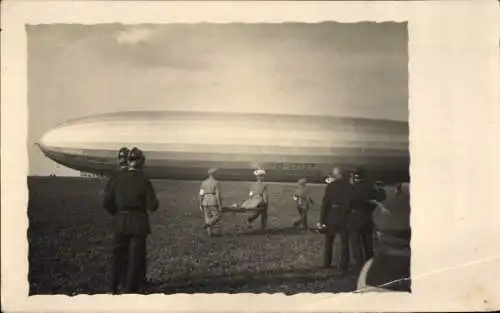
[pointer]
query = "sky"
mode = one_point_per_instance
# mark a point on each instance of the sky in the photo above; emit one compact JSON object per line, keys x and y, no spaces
{"x":356,"y":70}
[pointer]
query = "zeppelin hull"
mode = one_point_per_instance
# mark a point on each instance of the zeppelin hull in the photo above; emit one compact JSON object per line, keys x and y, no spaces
{"x":184,"y":145}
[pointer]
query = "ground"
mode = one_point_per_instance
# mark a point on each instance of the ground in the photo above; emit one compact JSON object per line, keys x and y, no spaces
{"x":71,"y":240}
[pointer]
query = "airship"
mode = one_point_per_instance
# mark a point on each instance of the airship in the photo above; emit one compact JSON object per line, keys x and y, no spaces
{"x":183,"y":145}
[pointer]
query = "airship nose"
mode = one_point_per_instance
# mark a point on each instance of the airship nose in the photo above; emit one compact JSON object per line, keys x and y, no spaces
{"x":47,"y":139}
{"x":50,"y":141}
{"x":60,"y":137}
{"x":39,"y":145}
{"x":42,"y":143}
{"x":57,"y":143}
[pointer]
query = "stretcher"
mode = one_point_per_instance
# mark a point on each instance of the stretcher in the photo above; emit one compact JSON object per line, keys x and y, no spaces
{"x":240,"y":209}
{"x":250,"y":205}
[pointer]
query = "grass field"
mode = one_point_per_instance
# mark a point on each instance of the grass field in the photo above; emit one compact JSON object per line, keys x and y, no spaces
{"x":71,"y":240}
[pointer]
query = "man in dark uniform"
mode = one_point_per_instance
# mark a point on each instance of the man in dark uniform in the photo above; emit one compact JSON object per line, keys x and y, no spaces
{"x":129,"y":198}
{"x":123,"y":167}
{"x":360,"y":222}
{"x":210,"y":201}
{"x":334,"y":209}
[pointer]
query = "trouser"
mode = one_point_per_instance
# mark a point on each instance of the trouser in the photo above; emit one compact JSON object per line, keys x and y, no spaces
{"x":362,"y":245}
{"x":302,"y":218}
{"x":263,"y":218}
{"x":212,"y":218}
{"x":344,"y":246}
{"x":212,"y":215}
{"x":129,"y":260}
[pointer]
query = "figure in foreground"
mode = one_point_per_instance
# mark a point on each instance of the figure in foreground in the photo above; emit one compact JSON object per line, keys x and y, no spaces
{"x":389,"y":269}
{"x":128,"y":198}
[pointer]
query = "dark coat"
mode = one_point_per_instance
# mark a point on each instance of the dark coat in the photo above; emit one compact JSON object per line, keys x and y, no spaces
{"x":128,"y":197}
{"x":361,"y":207}
{"x":335,"y":204}
{"x":381,"y":194}
{"x":112,"y":209}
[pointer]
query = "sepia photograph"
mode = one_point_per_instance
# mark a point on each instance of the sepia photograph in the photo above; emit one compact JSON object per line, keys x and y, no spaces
{"x":218,"y":158}
{"x":288,"y":156}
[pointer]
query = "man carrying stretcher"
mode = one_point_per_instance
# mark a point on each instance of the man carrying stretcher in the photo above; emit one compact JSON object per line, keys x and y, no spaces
{"x":257,"y":200}
{"x":210,"y":201}
{"x":256,"y":203}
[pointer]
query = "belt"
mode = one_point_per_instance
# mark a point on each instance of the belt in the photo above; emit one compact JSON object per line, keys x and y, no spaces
{"x":359,"y":211}
{"x":130,"y":209}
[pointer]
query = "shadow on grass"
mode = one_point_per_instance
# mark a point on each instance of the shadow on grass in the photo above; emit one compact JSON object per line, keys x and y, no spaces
{"x":276,"y":231}
{"x":275,"y":281}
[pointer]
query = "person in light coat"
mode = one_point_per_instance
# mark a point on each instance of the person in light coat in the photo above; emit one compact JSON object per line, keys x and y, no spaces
{"x":258,"y":200}
{"x":211,"y":202}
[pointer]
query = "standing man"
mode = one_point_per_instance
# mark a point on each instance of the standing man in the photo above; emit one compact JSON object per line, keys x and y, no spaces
{"x":304,"y":202}
{"x":123,"y":167}
{"x":130,"y":197}
{"x":332,"y":221}
{"x":360,"y":222}
{"x":258,"y":199}
{"x":210,"y":201}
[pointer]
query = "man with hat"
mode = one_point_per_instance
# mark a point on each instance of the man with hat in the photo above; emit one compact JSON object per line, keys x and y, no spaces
{"x":123,"y":158}
{"x":334,"y":210}
{"x":258,"y":199}
{"x":359,"y":221}
{"x":210,"y":201}
{"x":304,"y":202}
{"x":111,"y":208}
{"x":131,"y":196}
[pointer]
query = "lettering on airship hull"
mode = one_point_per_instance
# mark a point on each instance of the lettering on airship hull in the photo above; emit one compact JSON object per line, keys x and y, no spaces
{"x":295,"y":166}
